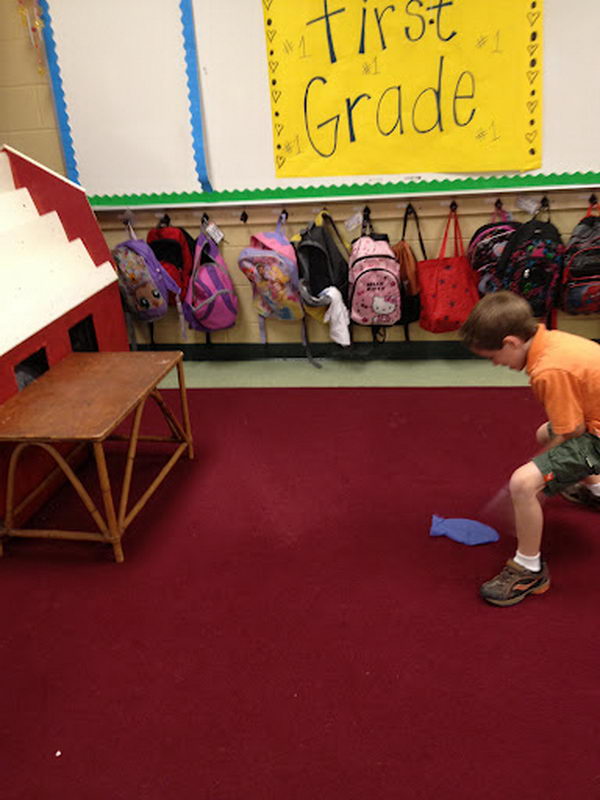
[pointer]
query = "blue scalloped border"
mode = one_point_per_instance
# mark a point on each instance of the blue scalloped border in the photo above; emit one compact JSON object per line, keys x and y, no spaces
{"x":59,"y":95}
{"x":191,"y":66}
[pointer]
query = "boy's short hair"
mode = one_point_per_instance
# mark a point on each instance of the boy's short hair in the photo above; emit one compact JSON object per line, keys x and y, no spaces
{"x":495,"y":316}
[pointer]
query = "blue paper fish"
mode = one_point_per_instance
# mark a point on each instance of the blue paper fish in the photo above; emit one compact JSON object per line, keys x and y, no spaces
{"x":465,"y":531}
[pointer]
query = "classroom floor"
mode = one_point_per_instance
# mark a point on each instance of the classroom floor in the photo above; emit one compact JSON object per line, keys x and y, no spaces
{"x":299,"y":372}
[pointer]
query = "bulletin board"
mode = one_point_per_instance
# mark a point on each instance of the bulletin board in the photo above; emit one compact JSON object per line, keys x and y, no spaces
{"x":437,"y":86}
{"x":166,"y":102}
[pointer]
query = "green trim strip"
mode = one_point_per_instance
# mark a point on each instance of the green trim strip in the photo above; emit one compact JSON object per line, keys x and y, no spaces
{"x":341,"y":191}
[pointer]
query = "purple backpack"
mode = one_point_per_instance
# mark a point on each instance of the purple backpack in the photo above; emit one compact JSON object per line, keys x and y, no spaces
{"x":270,"y":266}
{"x":374,"y":276}
{"x":210,"y":303}
{"x":144,"y":282}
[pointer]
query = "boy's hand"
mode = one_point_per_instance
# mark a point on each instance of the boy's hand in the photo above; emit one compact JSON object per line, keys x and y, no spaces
{"x":560,"y":438}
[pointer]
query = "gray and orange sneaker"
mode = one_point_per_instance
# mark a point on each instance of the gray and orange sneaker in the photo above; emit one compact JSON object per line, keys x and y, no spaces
{"x":514,"y":583}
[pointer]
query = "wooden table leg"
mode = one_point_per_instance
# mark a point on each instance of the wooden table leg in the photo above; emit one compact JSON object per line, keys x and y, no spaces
{"x":131,"y":450}
{"x":185,"y":411}
{"x":109,"y":506}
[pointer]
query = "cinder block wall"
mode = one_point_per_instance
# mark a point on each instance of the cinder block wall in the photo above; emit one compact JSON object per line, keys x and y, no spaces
{"x":27,"y":118}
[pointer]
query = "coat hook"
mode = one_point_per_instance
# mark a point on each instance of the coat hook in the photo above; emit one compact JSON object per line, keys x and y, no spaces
{"x":204,"y":219}
{"x":498,"y":204}
{"x":453,"y":206}
{"x":593,"y":199}
{"x":283,"y":216}
{"x":545,"y":202}
{"x":244,"y":216}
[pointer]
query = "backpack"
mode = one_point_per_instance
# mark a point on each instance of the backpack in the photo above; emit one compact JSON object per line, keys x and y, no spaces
{"x":322,"y":256}
{"x":210,"y":303}
{"x":374,"y":279}
{"x":144,"y":283}
{"x":486,"y":247}
{"x":269,"y":263}
{"x":174,"y":248}
{"x":531,"y":264}
{"x":409,"y":282}
{"x":580,"y":290}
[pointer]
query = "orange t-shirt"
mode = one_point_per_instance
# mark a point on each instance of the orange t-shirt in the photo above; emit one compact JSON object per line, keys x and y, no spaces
{"x":564,"y":373}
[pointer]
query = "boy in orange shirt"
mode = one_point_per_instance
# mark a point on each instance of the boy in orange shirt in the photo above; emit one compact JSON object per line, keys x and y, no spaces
{"x":564,"y":373}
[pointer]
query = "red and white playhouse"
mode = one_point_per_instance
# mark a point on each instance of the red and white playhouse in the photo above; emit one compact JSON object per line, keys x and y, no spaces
{"x":59,"y":286}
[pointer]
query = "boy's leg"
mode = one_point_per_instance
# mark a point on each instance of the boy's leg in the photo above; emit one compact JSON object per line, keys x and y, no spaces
{"x":525,"y":573}
{"x":525,"y":485}
{"x":587,"y":491}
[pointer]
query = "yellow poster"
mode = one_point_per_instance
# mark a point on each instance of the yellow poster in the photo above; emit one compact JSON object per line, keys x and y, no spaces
{"x":363,"y":87}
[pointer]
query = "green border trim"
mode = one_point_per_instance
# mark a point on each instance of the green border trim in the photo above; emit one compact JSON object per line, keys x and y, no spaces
{"x":341,"y":191}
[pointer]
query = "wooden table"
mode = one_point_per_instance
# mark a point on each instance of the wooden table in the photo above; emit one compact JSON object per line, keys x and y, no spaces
{"x":83,"y":399}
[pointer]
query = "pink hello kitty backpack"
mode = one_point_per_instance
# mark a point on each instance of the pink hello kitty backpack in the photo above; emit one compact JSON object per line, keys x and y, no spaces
{"x":374,"y":278}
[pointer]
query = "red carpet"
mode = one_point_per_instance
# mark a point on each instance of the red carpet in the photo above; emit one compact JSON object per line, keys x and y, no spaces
{"x":284,"y":627}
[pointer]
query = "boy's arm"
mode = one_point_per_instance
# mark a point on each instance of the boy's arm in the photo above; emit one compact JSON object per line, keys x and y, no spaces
{"x":560,"y":394}
{"x":557,"y":439}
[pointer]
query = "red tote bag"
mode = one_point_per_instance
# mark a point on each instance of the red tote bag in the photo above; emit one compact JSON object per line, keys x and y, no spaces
{"x":448,"y":287}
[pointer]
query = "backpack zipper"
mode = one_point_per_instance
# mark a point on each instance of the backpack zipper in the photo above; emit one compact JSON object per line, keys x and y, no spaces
{"x":373,"y":255}
{"x":373,"y":269}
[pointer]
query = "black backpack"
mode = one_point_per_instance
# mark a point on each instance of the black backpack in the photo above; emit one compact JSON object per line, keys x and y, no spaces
{"x":486,"y":247}
{"x":580,"y":292}
{"x":322,"y":256}
{"x":531,"y":264}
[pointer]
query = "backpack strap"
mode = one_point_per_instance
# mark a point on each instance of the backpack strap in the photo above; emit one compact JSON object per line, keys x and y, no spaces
{"x":326,"y":220}
{"x":262,"y":328}
{"x":543,"y":209}
{"x":182,"y":328}
{"x":366,"y":228}
{"x":408,"y":212}
{"x":593,"y":208}
{"x":378,"y":334}
{"x":309,"y":355}
{"x":304,"y":334}
{"x":499,"y":214}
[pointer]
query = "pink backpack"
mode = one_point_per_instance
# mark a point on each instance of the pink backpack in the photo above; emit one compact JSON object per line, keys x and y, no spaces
{"x":374,"y":277}
{"x":210,"y":302}
{"x":270,"y":266}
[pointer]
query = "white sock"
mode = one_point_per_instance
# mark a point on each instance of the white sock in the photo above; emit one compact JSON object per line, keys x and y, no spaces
{"x":594,"y":489}
{"x":533,"y":563}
